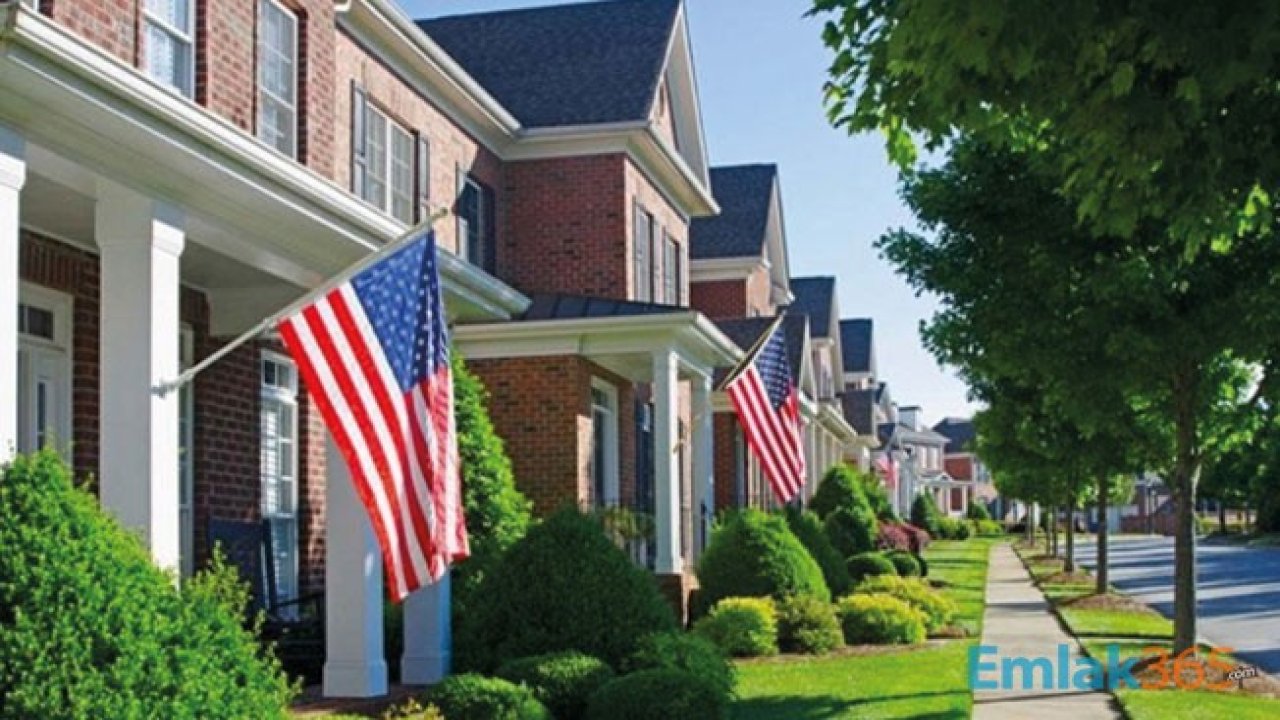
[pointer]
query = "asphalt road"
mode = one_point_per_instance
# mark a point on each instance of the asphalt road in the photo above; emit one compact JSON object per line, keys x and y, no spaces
{"x":1239,"y":591}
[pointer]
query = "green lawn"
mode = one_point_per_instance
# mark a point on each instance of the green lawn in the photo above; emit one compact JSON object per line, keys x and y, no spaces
{"x":1116,"y":623}
{"x":922,"y":682}
{"x":1061,"y":592}
{"x":1162,"y":704}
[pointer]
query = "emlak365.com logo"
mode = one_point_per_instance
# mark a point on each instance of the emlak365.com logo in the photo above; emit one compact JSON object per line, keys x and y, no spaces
{"x":1154,"y":668}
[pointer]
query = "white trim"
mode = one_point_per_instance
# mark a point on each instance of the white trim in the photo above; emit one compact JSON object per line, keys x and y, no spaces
{"x":285,"y":396}
{"x":612,"y":479}
{"x":185,"y":37}
{"x":730,"y":268}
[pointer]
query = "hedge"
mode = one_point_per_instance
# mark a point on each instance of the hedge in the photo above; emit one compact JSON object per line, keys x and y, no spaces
{"x":754,"y":554}
{"x":562,"y":681}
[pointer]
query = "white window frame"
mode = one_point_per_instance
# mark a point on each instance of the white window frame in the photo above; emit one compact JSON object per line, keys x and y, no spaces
{"x":612,"y":481}
{"x":33,"y":4}
{"x":186,"y":37}
{"x":262,"y":49}
{"x":374,"y":116}
{"x":60,"y":305}
{"x":186,"y":456}
{"x":288,"y":396}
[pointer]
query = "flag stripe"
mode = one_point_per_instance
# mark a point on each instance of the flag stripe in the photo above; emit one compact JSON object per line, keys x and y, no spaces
{"x":766,"y":401}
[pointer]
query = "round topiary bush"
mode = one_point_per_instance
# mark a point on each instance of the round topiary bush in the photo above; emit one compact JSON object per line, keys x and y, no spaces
{"x":808,"y":625}
{"x":657,"y":695}
{"x":937,"y":608}
{"x":808,"y":529}
{"x":977,"y":511}
{"x":925,"y":514}
{"x":851,"y":531}
{"x":90,"y":628}
{"x":741,"y":627}
{"x":841,"y":488}
{"x":562,"y":681}
{"x":563,"y":587}
{"x":688,"y":653}
{"x":870,"y":564}
{"x":475,"y":697}
{"x":753,"y":554}
{"x":904,"y":562}
{"x":880,"y":619}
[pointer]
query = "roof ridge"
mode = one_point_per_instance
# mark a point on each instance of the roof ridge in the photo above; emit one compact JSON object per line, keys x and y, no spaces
{"x":536,"y":9}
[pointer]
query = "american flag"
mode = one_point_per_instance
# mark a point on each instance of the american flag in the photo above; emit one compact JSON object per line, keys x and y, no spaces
{"x":889,"y":469}
{"x":374,"y":353}
{"x":768,"y":407}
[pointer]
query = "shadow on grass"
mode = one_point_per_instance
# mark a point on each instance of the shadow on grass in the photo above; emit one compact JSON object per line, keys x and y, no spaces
{"x":830,"y":707}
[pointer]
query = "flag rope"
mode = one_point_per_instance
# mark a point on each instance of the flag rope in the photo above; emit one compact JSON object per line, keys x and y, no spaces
{"x":274,"y":319}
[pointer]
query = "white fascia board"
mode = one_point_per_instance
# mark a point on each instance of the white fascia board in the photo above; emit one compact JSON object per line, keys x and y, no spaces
{"x":397,"y":40}
{"x":834,"y":421}
{"x":731,"y":268}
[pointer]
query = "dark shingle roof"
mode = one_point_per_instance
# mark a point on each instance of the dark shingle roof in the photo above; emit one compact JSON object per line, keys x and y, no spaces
{"x":567,"y":307}
{"x":744,"y":193}
{"x":855,"y":344}
{"x":744,"y":332}
{"x":815,"y":297}
{"x":960,"y":434}
{"x":575,"y":64}
{"x":859,"y":408}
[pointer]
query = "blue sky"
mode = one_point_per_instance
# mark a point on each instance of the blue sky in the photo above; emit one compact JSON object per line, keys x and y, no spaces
{"x":760,"y":67}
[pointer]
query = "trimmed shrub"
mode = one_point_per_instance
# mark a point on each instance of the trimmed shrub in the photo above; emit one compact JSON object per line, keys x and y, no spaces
{"x":563,"y":587}
{"x":924,"y":565}
{"x":925,"y":514}
{"x":918,"y":538}
{"x":741,"y":627}
{"x":841,"y":488}
{"x":808,"y":625}
{"x":753,"y":554}
{"x":977,"y":511}
{"x":688,"y":653}
{"x":880,"y":619}
{"x":877,"y":497}
{"x":90,"y":628}
{"x":807,"y":528}
{"x":869,"y":564}
{"x":562,"y":681}
{"x":988,"y":528}
{"x":904,"y":562}
{"x":657,"y":695}
{"x":475,"y":697}
{"x":955,"y":529}
{"x":851,"y":531}
{"x":893,"y":536}
{"x":937,"y":608}
{"x":497,"y":513}
{"x":409,"y":710}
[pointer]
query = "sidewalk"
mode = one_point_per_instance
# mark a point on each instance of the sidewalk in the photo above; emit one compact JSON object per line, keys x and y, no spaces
{"x":1019,"y":624}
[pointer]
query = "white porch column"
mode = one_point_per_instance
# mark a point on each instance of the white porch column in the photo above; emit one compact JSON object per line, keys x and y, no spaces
{"x":666,"y":469}
{"x":428,"y":635}
{"x":13,"y":175}
{"x":704,"y":472}
{"x":141,"y":240}
{"x":355,"y":663}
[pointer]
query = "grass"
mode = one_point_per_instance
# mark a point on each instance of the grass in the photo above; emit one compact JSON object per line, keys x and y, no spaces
{"x":1116,"y":623}
{"x":928,"y":681}
{"x":1161,"y":704}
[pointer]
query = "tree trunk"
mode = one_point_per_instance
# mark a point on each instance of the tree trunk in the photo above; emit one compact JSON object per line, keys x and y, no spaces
{"x":1053,"y":530}
{"x":1222,"y":517}
{"x":1070,"y":564}
{"x":1104,"y":489}
{"x":1030,"y":528}
{"x":1186,"y":474}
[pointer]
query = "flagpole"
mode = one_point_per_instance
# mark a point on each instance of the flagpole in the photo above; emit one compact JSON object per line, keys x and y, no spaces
{"x":274,"y":319}
{"x":753,"y":351}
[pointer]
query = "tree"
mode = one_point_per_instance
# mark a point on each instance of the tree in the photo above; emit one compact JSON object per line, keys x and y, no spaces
{"x":1155,"y":111}
{"x":1129,"y":324}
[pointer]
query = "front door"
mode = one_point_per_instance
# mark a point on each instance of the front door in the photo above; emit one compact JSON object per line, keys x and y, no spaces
{"x":44,"y":370}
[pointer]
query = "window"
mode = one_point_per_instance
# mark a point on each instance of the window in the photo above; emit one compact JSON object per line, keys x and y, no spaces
{"x":168,"y":27}
{"x":642,"y":242}
{"x":670,"y":270}
{"x":382,"y":160}
{"x":279,"y":462}
{"x":604,"y":444}
{"x":476,"y":217}
{"x":278,"y":77}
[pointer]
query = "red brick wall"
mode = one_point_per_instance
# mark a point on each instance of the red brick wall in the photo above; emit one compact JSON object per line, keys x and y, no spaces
{"x":72,"y":271}
{"x":311,"y":495}
{"x":720,"y":299}
{"x":567,"y":227}
{"x":226,"y":59}
{"x":724,"y":460}
{"x":640,"y":190}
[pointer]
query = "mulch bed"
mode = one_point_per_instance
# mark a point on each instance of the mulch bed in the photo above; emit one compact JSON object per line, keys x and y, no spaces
{"x":1065,"y":578}
{"x":1109,"y":601}
{"x":1148,"y":671}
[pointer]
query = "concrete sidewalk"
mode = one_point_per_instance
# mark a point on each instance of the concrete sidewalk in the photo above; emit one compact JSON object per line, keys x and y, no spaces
{"x":1018,"y":623}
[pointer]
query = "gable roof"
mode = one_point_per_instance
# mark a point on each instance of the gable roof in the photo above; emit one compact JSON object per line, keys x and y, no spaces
{"x":960,"y":434}
{"x":745,"y":194}
{"x":576,"y":64}
{"x":855,"y":344}
{"x":815,"y":297}
{"x":858,"y":410}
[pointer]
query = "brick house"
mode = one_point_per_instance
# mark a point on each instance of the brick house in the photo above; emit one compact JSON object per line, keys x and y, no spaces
{"x":172,"y":174}
{"x":740,"y":278}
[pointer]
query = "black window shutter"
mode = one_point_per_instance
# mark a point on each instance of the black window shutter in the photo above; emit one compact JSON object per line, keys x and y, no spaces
{"x":359,"y":139}
{"x":488,"y":203}
{"x":422,"y":177}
